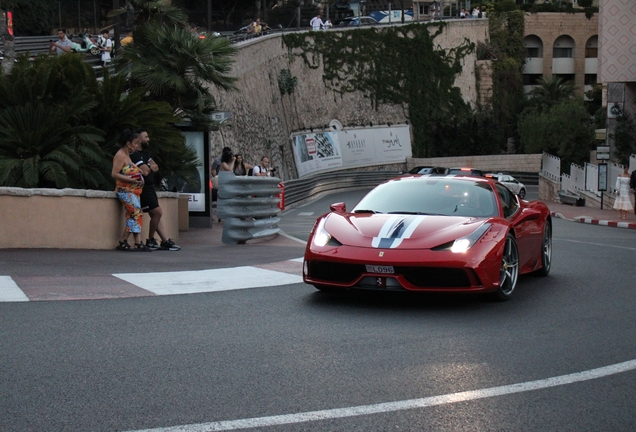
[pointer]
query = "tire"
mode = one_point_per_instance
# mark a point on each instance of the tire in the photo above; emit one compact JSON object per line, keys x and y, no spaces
{"x":509,"y":270}
{"x":522,"y":193}
{"x":546,"y":251}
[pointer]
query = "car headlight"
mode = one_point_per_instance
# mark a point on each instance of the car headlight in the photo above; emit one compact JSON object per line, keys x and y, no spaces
{"x":462,"y":244}
{"x":321,"y":236}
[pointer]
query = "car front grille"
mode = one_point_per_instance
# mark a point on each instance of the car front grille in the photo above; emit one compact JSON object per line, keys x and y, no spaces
{"x":435,"y":277}
{"x":421,"y":277}
{"x":335,"y":272}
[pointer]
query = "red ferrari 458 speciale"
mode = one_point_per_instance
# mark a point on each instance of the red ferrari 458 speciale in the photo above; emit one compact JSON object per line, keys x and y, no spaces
{"x":431,"y":233}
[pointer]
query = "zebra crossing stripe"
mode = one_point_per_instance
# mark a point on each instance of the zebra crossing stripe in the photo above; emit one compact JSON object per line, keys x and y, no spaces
{"x":10,"y":292}
{"x":199,"y":281}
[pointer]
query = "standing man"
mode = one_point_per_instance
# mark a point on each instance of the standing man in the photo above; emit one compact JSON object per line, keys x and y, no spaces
{"x":316,"y":22}
{"x":262,"y":169}
{"x":148,"y":197}
{"x":63,"y":45}
{"x":105,"y":46}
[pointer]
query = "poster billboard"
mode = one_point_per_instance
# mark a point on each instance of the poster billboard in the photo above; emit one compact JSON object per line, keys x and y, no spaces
{"x":351,"y":148}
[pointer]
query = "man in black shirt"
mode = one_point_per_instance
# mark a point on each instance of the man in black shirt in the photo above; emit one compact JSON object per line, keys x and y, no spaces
{"x":148,"y":197}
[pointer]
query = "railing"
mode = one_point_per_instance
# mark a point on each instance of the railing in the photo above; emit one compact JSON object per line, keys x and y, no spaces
{"x":577,"y":178}
{"x":591,"y":179}
{"x":551,"y":167}
{"x":300,"y":190}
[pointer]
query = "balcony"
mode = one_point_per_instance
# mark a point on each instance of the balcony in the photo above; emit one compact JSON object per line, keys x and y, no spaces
{"x":533,"y":65}
{"x":562,"y":66}
{"x":591,"y":66}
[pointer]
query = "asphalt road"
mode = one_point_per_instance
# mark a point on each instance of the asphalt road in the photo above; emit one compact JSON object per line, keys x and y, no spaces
{"x":195,"y":360}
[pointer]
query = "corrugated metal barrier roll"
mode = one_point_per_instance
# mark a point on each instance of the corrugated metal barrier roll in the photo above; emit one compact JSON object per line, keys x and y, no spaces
{"x":248,"y":207}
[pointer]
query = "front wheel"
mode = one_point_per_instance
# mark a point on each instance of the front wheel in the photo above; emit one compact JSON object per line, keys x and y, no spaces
{"x":546,"y":251}
{"x":522,"y":193}
{"x":509,"y":270}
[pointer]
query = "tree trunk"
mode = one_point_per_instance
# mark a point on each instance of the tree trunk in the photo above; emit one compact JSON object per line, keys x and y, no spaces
{"x":7,"y":40}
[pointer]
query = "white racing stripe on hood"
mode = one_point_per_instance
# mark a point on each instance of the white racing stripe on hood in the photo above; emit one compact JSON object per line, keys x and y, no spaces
{"x":391,"y":234}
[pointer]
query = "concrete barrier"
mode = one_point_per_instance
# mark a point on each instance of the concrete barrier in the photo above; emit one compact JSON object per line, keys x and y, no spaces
{"x":248,"y":207}
{"x":72,"y":218}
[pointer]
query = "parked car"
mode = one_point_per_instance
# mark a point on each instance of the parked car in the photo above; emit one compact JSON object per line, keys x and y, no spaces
{"x":431,"y":233}
{"x":428,"y":170}
{"x":358,"y":21}
{"x":511,"y":183}
{"x":465,"y":171}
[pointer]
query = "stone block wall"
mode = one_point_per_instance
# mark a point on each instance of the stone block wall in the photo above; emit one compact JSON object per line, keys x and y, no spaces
{"x":530,"y":163}
{"x":263,"y":119}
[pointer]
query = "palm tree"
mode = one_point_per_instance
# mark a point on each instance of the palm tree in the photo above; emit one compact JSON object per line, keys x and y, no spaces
{"x":552,"y":91}
{"x":45,"y":138}
{"x":173,"y":64}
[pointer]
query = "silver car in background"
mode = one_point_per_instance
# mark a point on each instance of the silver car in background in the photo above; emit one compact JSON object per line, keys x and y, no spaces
{"x":511,"y":183}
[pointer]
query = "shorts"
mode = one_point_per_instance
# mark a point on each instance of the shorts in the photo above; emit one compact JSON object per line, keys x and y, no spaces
{"x":149,"y":200}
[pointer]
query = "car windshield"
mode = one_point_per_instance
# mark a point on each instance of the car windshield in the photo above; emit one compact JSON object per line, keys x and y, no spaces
{"x":431,"y":196}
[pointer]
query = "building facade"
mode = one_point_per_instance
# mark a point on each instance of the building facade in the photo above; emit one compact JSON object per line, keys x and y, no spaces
{"x":561,"y":45}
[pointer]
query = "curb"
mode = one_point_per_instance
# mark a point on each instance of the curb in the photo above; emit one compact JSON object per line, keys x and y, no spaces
{"x":591,"y":221}
{"x":615,"y":224}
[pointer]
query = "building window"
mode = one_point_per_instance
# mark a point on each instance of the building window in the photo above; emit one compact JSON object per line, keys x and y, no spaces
{"x":532,"y":52}
{"x":565,"y":77}
{"x":562,"y":53}
{"x":590,"y":79}
{"x":591,"y":52}
{"x":531,"y":79}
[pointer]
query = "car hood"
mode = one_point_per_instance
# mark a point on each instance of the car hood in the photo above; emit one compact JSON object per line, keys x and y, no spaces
{"x":390,"y":231}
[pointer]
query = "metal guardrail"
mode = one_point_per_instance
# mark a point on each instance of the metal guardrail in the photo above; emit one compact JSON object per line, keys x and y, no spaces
{"x":248,"y":207}
{"x":300,"y":190}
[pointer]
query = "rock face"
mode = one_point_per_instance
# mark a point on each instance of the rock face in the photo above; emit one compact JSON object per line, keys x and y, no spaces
{"x":263,"y":119}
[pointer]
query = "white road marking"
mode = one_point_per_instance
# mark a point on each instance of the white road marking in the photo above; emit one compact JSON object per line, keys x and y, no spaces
{"x":199,"y":281}
{"x":400,"y":405}
{"x":10,"y":292}
{"x":306,"y":214}
{"x":598,"y":244}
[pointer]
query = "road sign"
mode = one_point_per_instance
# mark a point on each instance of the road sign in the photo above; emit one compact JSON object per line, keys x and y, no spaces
{"x":602,"y":153}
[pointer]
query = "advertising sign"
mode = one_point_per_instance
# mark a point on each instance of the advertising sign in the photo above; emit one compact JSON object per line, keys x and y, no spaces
{"x":197,"y":194}
{"x":328,"y":151}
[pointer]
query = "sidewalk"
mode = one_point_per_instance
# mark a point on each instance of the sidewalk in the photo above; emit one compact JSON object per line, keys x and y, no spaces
{"x":590,"y":215}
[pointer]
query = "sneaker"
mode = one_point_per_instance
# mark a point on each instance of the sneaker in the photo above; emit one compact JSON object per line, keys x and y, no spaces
{"x":169,"y":245}
{"x":152,"y":244}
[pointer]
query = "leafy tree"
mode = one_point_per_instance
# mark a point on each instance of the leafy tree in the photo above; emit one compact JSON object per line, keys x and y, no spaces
{"x":32,"y":17}
{"x":624,"y":136}
{"x":506,"y":30}
{"x":563,"y":129}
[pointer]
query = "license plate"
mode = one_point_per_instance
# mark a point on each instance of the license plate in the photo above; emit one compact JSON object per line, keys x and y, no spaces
{"x":380,"y":269}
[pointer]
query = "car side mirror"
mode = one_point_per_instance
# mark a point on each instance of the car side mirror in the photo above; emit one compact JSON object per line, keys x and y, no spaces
{"x":338,"y":207}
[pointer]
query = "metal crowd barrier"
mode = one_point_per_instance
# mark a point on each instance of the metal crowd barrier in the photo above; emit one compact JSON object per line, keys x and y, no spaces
{"x":248,"y":207}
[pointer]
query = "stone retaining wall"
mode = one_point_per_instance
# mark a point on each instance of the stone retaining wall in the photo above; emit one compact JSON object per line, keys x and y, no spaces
{"x":262,"y":119}
{"x":530,"y":163}
{"x":72,"y":218}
